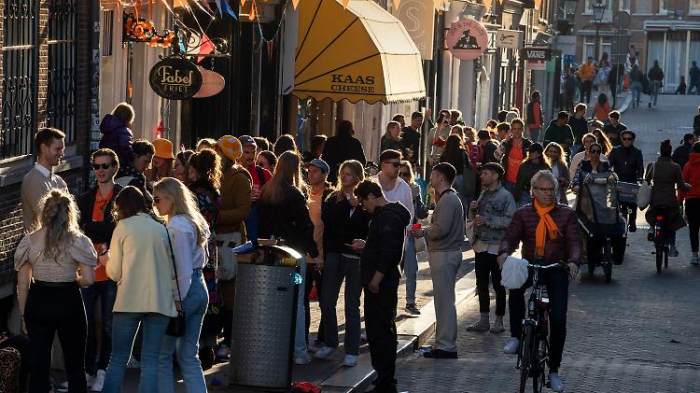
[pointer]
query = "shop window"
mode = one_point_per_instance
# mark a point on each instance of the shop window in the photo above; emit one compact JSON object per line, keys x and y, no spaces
{"x":62,"y":60}
{"x":624,"y":5}
{"x":643,"y":7}
{"x":19,"y":84}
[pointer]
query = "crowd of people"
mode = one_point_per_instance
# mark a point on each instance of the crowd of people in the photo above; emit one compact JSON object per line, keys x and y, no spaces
{"x":122,"y":269}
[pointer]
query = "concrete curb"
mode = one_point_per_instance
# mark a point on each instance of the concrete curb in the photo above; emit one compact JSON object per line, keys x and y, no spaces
{"x":412,"y":333}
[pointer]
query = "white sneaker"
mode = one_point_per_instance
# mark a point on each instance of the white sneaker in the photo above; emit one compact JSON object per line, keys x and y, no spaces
{"x":512,"y":347}
{"x":89,"y":378}
{"x":555,"y":382}
{"x":302,"y":358}
{"x":133,"y":363}
{"x":99,"y":381}
{"x":324,"y":352}
{"x":350,"y":361}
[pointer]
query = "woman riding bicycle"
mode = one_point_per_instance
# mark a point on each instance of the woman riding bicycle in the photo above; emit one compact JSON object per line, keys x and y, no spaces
{"x":549,"y":233}
{"x":665,"y":175}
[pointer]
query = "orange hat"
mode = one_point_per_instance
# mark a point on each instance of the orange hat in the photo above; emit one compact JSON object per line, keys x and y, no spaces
{"x":164,"y":148}
{"x":230,"y":146}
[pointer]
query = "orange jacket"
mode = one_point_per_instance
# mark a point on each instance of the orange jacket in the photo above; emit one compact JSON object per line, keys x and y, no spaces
{"x":587,"y":72}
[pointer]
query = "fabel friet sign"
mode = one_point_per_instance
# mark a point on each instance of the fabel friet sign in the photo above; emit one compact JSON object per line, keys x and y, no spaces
{"x":175,"y":78}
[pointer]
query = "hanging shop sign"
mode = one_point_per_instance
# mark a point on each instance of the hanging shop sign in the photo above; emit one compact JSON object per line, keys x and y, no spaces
{"x":418,"y":17}
{"x":212,"y":83}
{"x":510,"y":39}
{"x":175,"y":78}
{"x":467,"y":39}
{"x":536,"y":54}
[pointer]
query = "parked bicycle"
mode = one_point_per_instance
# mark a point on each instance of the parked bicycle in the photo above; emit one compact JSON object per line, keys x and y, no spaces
{"x":533,"y":355}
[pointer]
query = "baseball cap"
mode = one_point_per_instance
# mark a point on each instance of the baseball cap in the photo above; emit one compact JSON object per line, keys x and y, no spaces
{"x":247,"y":140}
{"x":320,"y":164}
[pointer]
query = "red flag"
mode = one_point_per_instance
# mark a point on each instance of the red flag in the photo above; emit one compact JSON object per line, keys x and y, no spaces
{"x":205,"y":47}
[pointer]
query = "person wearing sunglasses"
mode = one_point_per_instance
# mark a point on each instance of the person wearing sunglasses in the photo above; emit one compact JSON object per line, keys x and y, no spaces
{"x":593,"y":165}
{"x":628,"y":163}
{"x":96,"y":206}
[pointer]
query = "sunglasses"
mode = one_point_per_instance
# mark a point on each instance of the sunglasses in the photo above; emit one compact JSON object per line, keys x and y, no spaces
{"x":627,"y":139}
{"x":102,"y":166}
{"x":594,"y":151}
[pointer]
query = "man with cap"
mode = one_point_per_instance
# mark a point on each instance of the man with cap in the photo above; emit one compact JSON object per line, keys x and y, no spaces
{"x":259,"y":176}
{"x":491,"y":215}
{"x":487,"y":147}
{"x":317,"y":173}
{"x":230,"y":231}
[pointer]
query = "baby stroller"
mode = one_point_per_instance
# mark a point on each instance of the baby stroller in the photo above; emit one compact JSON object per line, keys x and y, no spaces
{"x":601,"y":222}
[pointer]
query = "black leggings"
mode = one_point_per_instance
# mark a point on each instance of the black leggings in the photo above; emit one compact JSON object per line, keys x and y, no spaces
{"x":692,"y":211}
{"x":56,"y":308}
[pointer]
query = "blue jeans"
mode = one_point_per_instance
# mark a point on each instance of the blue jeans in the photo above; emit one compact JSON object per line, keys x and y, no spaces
{"x":124,"y":326}
{"x":535,"y":134}
{"x":525,"y":198}
{"x":337,"y":269}
{"x":300,"y":327}
{"x":636,"y":93}
{"x":410,"y":267}
{"x":107,"y":291}
{"x":655,"y":86}
{"x":186,"y":347}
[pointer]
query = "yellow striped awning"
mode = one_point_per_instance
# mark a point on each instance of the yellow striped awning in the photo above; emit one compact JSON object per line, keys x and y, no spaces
{"x":358,"y":53}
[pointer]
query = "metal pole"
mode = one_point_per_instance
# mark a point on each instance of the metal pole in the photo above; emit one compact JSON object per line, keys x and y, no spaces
{"x":597,"y":41}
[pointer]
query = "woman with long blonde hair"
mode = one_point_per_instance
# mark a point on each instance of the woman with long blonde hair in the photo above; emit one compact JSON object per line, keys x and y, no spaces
{"x":53,"y":262}
{"x":557,"y":160}
{"x":343,"y":221}
{"x":285,"y":215}
{"x":189,"y":234}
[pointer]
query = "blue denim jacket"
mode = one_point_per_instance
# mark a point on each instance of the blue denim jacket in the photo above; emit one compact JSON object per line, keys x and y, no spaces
{"x":497,"y":207}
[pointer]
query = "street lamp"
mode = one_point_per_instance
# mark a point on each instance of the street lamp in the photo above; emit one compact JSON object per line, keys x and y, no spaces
{"x":598,"y":14}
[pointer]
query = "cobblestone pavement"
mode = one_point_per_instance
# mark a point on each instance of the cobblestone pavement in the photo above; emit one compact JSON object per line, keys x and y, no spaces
{"x":637,"y":334}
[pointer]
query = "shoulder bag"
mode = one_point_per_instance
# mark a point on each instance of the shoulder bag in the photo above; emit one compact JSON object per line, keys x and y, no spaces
{"x":644,"y":193}
{"x":176,"y":325}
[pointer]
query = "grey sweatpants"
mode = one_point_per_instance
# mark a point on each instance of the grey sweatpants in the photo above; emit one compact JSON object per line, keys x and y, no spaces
{"x":443,"y":270}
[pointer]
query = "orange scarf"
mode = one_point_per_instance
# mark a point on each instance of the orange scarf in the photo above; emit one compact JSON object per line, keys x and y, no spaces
{"x":546,"y":228}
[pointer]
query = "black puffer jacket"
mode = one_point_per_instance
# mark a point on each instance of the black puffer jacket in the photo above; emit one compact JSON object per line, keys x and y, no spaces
{"x":288,"y":220}
{"x":628,"y":163}
{"x":384,"y":248}
{"x":340,"y":227}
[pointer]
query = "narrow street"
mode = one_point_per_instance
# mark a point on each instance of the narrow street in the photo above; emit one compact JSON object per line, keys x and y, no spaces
{"x":636,"y":334}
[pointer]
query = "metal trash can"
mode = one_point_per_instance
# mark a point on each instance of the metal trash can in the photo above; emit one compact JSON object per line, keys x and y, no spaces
{"x":262,"y":339}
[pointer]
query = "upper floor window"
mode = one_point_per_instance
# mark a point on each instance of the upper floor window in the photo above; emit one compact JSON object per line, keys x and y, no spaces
{"x":643,"y":7}
{"x":19,"y":79}
{"x":62,"y":60}
{"x":694,"y":7}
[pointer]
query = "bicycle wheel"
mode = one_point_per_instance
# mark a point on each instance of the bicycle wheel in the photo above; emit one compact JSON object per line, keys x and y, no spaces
{"x":608,"y":264}
{"x":666,"y":257}
{"x":659,"y":257}
{"x":538,"y":381}
{"x":527,"y":352}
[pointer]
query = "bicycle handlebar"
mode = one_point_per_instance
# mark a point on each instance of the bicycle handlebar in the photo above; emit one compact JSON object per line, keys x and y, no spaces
{"x":555,"y":265}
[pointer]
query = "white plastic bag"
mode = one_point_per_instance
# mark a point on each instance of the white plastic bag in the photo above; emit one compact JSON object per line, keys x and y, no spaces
{"x":514,"y":273}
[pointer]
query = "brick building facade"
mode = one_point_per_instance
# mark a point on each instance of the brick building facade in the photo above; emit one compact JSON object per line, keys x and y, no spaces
{"x":44,"y":81}
{"x":664,"y":30}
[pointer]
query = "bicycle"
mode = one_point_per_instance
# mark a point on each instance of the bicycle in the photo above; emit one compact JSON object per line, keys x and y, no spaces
{"x":533,"y":354}
{"x":660,"y":238}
